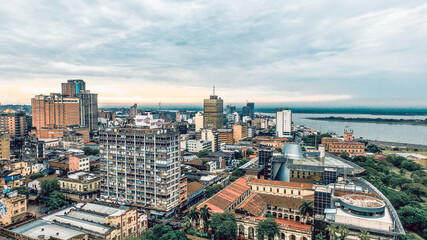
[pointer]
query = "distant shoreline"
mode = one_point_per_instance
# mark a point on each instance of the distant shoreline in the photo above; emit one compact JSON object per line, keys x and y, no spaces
{"x":415,"y":122}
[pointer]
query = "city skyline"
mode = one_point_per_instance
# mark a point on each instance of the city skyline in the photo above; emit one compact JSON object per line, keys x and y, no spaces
{"x":360,"y":54}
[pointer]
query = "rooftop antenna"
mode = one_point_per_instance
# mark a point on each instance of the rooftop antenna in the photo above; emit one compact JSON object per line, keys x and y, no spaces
{"x":214,"y":89}
{"x":160,"y":106}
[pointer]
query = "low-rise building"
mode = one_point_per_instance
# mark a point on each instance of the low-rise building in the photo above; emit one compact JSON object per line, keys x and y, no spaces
{"x":195,"y":193}
{"x":79,"y":163}
{"x":196,"y":145}
{"x":80,"y":186}
{"x":251,"y":207}
{"x":352,"y":148}
{"x":88,"y":221}
{"x":13,"y":209}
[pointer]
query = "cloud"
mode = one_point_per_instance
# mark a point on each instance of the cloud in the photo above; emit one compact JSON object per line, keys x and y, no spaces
{"x":282,"y":51}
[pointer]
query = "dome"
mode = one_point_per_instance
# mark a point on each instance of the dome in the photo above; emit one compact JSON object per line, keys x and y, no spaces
{"x":292,"y":151}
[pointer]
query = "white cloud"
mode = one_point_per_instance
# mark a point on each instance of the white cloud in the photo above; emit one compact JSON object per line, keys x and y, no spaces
{"x":311,"y":50}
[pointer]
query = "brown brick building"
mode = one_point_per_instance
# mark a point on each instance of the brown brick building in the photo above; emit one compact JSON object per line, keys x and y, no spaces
{"x":225,"y":136}
{"x":14,"y":122}
{"x":72,"y":87}
{"x":55,"y":111}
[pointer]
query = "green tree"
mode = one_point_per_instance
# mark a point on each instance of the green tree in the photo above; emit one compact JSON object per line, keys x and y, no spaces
{"x":332,"y":230}
{"x":56,"y":200}
{"x":278,"y":150}
{"x":343,"y":231}
{"x":412,"y":218}
{"x":212,"y":190}
{"x":268,"y":228}
{"x":89,"y":151}
{"x":203,"y":153}
{"x":373,"y":148}
{"x":37,"y":175}
{"x":205,"y":215}
{"x":194,"y":216}
{"x":21,"y":190}
{"x":187,"y":223}
{"x":320,"y":236}
{"x":48,"y":186}
{"x":345,"y":155}
{"x":224,"y":225}
{"x":236,"y":174}
{"x":306,"y":208}
{"x":364,"y":235}
{"x":163,"y":232}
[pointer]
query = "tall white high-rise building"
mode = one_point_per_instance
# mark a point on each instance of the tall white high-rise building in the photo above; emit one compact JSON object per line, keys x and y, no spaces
{"x":283,"y":123}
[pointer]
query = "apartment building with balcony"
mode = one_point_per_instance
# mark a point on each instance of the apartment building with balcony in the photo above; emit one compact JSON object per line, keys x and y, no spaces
{"x":141,"y":166}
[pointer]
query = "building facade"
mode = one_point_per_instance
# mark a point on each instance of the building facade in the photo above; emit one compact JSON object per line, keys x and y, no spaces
{"x":79,"y":163}
{"x":55,"y":111}
{"x":4,"y":145}
{"x":213,"y":109}
{"x":73,"y":87}
{"x":13,"y":208}
{"x":88,"y":109}
{"x":80,"y":186}
{"x":15,"y":123}
{"x":141,"y":166}
{"x":283,"y":123}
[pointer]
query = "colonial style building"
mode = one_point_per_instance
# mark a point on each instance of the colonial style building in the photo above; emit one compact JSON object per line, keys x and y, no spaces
{"x":80,"y":186}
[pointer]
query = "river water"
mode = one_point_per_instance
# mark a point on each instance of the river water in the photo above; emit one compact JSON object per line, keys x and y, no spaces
{"x":374,"y":131}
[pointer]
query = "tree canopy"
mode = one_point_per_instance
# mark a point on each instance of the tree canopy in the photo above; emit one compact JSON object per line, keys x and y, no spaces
{"x":163,"y":232}
{"x":267,"y":228}
{"x":224,"y":225}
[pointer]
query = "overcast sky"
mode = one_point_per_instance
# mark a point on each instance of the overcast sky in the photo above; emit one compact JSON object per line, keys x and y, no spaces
{"x":311,"y":53}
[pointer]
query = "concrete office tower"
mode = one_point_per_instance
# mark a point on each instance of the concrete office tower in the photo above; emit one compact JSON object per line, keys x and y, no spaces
{"x":199,"y":121}
{"x":133,"y":111}
{"x":88,"y":109}
{"x":214,"y":112}
{"x":14,"y":122}
{"x":141,"y":166}
{"x":73,"y":87}
{"x":283,"y":123}
{"x":55,"y":111}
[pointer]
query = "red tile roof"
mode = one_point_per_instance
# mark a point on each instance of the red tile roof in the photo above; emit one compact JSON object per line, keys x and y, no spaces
{"x":281,"y":222}
{"x":222,"y":200}
{"x":255,"y":204}
{"x":280,"y":183}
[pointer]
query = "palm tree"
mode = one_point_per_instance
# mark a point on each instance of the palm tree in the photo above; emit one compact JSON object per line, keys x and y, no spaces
{"x":187,"y":223}
{"x":343,"y":230}
{"x":306,"y":209}
{"x":194,"y":216}
{"x":332,"y":229}
{"x":205,"y":215}
{"x":364,"y":235}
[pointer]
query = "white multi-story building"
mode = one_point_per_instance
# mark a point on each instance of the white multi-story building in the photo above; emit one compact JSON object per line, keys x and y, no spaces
{"x":197,"y":145}
{"x":141,"y":166}
{"x":283,"y":123}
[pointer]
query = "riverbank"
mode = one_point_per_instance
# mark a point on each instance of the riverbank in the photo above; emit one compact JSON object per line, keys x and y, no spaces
{"x":415,"y":122}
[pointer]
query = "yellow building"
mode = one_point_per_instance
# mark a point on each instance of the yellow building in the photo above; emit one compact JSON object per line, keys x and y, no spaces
{"x":4,"y":145}
{"x":80,"y":186}
{"x":13,"y":209}
{"x":240,"y":131}
{"x":213,"y":112}
{"x":20,"y":167}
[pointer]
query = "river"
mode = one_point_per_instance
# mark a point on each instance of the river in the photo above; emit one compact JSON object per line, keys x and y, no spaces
{"x":374,"y":131}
